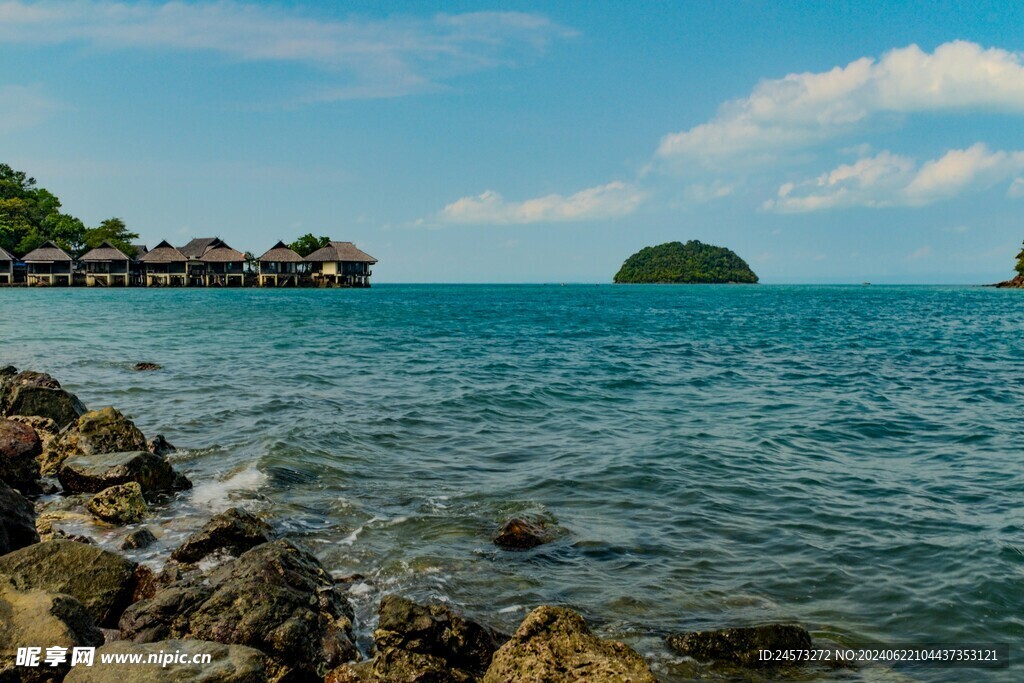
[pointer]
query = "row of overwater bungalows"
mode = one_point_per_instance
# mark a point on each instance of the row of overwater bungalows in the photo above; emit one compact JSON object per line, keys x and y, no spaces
{"x":203,"y":262}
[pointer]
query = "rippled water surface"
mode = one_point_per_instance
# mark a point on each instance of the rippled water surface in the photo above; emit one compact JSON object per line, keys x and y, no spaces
{"x":847,"y":457}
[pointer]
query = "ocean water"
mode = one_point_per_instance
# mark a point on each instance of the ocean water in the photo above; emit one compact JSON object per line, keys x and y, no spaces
{"x":851,"y":458}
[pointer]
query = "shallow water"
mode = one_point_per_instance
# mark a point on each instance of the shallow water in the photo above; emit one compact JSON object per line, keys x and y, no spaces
{"x":847,"y":457}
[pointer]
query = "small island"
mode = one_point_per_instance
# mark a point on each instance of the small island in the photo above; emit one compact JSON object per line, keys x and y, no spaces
{"x":690,"y":263}
{"x":1018,"y":280}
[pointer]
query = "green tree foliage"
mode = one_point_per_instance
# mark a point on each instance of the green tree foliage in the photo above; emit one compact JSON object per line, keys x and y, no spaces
{"x":31,"y":215}
{"x":693,"y":262}
{"x":112,"y":230}
{"x":1020,"y":262}
{"x":308,"y":243}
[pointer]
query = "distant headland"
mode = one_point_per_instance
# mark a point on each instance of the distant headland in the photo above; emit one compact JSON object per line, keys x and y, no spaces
{"x":690,"y":263}
{"x":1018,"y":280}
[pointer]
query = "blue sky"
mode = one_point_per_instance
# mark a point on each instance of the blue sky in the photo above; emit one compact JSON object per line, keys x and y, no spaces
{"x":524,"y":142}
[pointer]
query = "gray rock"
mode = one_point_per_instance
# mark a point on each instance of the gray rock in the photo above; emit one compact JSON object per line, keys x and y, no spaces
{"x":19,"y":448}
{"x":158,"y":445}
{"x":35,"y":618}
{"x":233,"y":531}
{"x":276,"y":598}
{"x":17,"y":520}
{"x":228,"y":664}
{"x":740,"y":645}
{"x":102,"y":581}
{"x":140,"y":538}
{"x":93,"y":473}
{"x":430,"y":643}
{"x":36,"y":393}
{"x":554,"y":645}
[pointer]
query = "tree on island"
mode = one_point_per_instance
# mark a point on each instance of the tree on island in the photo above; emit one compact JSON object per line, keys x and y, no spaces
{"x":308,"y":243}
{"x":690,"y":263}
{"x":112,"y":230}
{"x":1020,"y":262}
{"x":31,"y":215}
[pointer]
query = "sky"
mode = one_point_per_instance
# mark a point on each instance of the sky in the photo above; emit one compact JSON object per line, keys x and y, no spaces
{"x":536,"y":141}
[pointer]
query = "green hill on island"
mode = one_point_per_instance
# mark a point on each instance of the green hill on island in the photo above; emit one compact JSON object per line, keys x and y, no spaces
{"x":690,"y":263}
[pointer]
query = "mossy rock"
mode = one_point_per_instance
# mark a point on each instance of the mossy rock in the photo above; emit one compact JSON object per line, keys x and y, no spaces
{"x":121,"y":504}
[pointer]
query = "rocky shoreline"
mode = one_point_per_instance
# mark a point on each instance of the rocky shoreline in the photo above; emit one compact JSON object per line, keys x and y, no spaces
{"x":262,"y":606}
{"x":1016,"y":283}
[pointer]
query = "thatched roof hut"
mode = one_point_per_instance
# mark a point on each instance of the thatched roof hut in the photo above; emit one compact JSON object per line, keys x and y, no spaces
{"x":163,"y":253}
{"x":281,"y":253}
{"x":106,"y":252}
{"x":49,"y":252}
{"x":340,"y":252}
{"x":222,"y":253}
{"x":6,"y":266}
{"x":196,"y":248}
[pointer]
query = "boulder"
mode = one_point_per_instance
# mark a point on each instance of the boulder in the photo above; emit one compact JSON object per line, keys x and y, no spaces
{"x":17,"y":521}
{"x":228,"y":664}
{"x":99,"y":431}
{"x":233,"y":531}
{"x":120,"y":504}
{"x":36,"y":393}
{"x":19,"y":448}
{"x":140,"y":538}
{"x":49,"y":521}
{"x":740,"y":645}
{"x":35,"y":618}
{"x":522,"y":534}
{"x":100,"y":580}
{"x":554,"y":645}
{"x":430,"y":643}
{"x":93,"y":473}
{"x":158,"y":445}
{"x":274,"y":597}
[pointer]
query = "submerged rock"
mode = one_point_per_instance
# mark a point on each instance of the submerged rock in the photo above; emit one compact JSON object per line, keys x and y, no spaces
{"x":430,"y":643}
{"x":121,"y":504}
{"x":36,"y":618}
{"x":554,"y":645}
{"x":140,"y":538}
{"x":142,"y":367}
{"x":100,"y":580}
{"x":522,"y":534}
{"x":93,"y":473}
{"x":17,"y":521}
{"x":99,"y":431}
{"x":228,"y":664}
{"x":274,"y":597}
{"x":36,"y":393}
{"x":158,"y":445}
{"x":740,"y":645}
{"x":19,"y":448}
{"x":233,"y":531}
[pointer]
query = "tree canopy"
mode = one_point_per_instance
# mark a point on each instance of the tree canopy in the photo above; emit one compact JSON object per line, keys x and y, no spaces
{"x":112,"y":230}
{"x":308,"y":243}
{"x":1020,"y":262}
{"x":693,"y":262}
{"x":31,"y":215}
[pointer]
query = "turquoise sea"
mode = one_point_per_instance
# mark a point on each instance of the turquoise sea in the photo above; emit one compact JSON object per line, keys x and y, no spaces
{"x":851,"y":458}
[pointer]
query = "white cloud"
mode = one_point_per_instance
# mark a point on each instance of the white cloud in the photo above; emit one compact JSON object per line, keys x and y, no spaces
{"x":596,"y":203}
{"x":806,"y":108}
{"x":1016,"y":190}
{"x":367,"y":58}
{"x":918,"y":254}
{"x":23,"y":106}
{"x":888,"y":179}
